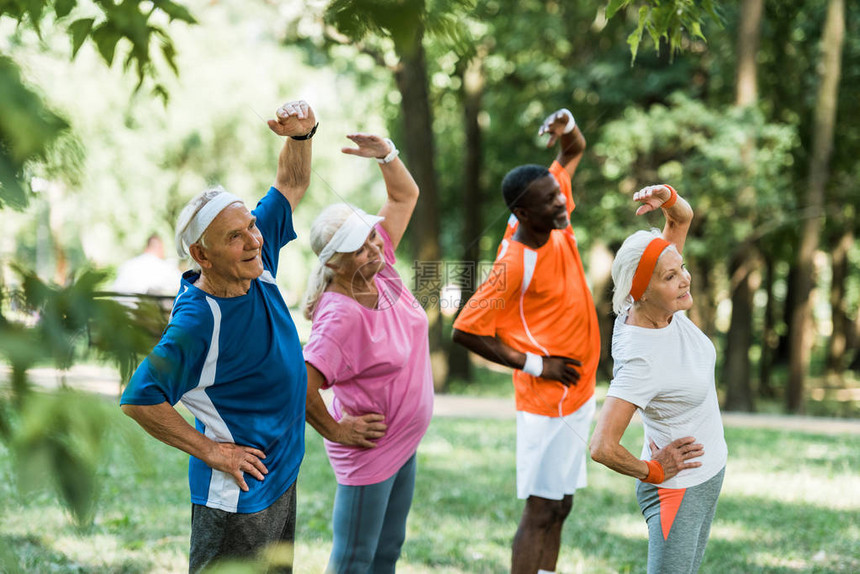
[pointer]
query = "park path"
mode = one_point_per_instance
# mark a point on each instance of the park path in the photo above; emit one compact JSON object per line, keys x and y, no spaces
{"x":104,"y":381}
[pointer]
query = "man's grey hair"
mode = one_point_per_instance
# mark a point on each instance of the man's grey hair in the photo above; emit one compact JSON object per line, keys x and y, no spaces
{"x":194,"y":205}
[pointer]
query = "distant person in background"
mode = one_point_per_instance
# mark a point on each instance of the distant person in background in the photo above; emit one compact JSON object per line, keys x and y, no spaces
{"x":368,"y":344}
{"x":664,"y":369}
{"x":148,"y":274}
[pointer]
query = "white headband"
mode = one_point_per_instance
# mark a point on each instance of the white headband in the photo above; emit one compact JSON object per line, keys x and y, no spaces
{"x":204,"y":217}
{"x":350,"y":235}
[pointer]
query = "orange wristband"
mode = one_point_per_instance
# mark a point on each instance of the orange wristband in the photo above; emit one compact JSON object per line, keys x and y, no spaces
{"x":671,"y":201}
{"x":655,"y":472}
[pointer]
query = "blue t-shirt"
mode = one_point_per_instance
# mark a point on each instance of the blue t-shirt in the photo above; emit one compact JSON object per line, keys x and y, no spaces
{"x":236,"y":364}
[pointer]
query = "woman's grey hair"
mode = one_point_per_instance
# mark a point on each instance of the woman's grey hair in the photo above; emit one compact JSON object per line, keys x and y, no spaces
{"x":323,"y":228}
{"x":194,"y":205}
{"x":624,"y":267}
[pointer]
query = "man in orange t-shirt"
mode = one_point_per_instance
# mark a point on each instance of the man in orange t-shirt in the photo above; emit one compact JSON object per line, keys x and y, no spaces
{"x":535,"y":313}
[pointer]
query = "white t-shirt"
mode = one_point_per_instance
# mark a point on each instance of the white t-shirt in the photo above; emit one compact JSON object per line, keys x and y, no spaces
{"x":668,"y":374}
{"x":147,"y":274}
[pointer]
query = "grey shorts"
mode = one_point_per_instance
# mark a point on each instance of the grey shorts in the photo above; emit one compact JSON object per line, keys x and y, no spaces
{"x":218,"y":535}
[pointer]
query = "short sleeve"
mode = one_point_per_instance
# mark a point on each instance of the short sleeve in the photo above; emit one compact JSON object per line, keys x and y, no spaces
{"x":325,"y":347}
{"x":275,"y":222}
{"x":172,"y":369}
{"x":493,"y":299}
{"x":633,"y":382}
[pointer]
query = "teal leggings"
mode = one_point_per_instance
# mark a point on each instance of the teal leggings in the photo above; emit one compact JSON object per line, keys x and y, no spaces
{"x":678,"y":533}
{"x":369,"y":523}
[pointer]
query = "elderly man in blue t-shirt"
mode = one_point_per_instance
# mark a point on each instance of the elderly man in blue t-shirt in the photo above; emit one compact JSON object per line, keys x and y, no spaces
{"x":231,"y":355}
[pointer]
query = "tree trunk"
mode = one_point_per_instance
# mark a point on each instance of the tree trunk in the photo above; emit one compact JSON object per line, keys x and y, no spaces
{"x":703,"y":311}
{"x":783,"y":349}
{"x":819,"y":173}
{"x":739,"y":396}
{"x":749,"y":33}
{"x":736,"y":374}
{"x":855,"y":345}
{"x":769,"y":338}
{"x":473,"y":91}
{"x":838,"y":344}
{"x":600,"y":278}
{"x":411,"y":79}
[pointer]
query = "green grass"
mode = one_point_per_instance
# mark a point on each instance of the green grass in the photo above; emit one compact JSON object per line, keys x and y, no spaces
{"x":486,"y":382}
{"x":790,"y":503}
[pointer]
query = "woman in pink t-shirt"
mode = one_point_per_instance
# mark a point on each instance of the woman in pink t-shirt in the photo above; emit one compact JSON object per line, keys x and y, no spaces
{"x":368,"y":343}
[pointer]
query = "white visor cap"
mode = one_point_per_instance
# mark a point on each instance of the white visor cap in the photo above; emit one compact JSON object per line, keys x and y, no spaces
{"x":350,"y":235}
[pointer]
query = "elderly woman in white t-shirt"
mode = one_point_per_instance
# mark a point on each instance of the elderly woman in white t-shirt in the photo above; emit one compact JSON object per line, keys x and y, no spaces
{"x":664,"y":368}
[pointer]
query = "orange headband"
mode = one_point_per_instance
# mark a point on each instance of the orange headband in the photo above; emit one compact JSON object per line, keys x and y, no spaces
{"x":646,"y":266}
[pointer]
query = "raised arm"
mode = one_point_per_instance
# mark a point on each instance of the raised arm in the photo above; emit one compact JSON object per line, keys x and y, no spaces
{"x":399,"y":184}
{"x":562,"y":128}
{"x":296,"y":121}
{"x":678,"y":216}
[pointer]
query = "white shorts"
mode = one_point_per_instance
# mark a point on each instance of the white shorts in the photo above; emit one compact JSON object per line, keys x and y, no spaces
{"x":551,"y":453}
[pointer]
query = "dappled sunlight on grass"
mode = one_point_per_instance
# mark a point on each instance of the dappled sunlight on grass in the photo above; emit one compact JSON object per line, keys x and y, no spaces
{"x":629,"y":526}
{"x":832,"y":492}
{"x":789,"y":504}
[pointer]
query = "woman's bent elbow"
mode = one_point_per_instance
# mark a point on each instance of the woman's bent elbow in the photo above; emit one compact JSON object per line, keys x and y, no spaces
{"x":597,"y":452}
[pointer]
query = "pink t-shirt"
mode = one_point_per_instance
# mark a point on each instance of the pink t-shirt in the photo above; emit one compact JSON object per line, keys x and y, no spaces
{"x":376,"y":361}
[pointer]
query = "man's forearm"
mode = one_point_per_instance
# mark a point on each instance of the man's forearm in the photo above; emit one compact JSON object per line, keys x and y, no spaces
{"x":491,"y":349}
{"x":294,"y":170}
{"x":572,"y":146}
{"x":164,"y":423}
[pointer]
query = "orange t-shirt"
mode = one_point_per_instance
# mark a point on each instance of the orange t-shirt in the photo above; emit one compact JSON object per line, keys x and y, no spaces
{"x":538,"y":301}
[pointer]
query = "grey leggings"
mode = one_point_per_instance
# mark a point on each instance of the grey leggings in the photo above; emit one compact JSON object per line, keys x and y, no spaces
{"x":676,"y":544}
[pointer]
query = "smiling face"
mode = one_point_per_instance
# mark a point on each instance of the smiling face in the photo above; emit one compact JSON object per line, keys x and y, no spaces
{"x":544,"y":207}
{"x":669,"y":289}
{"x":362,"y":264}
{"x":230,"y":251}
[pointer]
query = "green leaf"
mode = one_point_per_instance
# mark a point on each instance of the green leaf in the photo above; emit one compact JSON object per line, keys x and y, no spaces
{"x":169,"y":53}
{"x":80,"y":29}
{"x":62,"y":8}
{"x":696,"y":30}
{"x":106,"y":36}
{"x":27,"y":130}
{"x":710,"y":8}
{"x":635,"y":38}
{"x":35,"y":9}
{"x":174,"y":11}
{"x":12,"y":193}
{"x":160,"y":92}
{"x":614,"y":6}
{"x":60,"y":443}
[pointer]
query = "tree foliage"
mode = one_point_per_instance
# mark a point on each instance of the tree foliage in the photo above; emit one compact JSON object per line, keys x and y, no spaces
{"x":665,"y":21}
{"x":59,"y":436}
{"x":28,"y":128}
